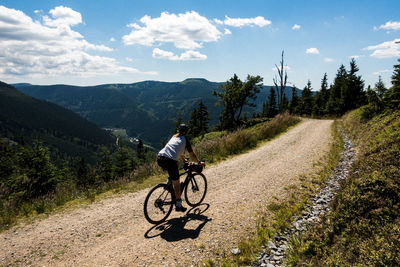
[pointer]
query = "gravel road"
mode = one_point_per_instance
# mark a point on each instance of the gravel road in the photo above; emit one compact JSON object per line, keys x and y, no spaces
{"x":113,"y":231}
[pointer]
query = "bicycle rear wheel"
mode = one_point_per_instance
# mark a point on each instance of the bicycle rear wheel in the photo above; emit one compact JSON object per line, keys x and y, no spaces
{"x":158,"y":204}
{"x":196,"y":189}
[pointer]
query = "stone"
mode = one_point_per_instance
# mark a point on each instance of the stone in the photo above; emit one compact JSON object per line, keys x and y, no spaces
{"x":271,"y":245}
{"x":235,"y":251}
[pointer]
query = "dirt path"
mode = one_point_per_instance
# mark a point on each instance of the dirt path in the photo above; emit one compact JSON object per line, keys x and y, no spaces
{"x":113,"y":232}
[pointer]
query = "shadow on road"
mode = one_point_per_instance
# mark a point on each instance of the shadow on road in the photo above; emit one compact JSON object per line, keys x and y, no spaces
{"x":187,"y":226}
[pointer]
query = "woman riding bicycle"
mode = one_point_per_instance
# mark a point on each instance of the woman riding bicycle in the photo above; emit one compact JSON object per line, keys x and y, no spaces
{"x":168,"y":160}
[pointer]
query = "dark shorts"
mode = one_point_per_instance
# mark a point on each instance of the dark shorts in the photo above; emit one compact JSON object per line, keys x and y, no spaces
{"x":169,"y":165}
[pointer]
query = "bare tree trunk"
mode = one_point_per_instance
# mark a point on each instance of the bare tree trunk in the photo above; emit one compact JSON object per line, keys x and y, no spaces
{"x":280,"y":82}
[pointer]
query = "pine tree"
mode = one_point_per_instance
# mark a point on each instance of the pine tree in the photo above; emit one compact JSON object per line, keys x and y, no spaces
{"x":194,"y":123}
{"x":199,"y":119}
{"x":270,"y":107}
{"x":335,"y":105}
{"x":380,"y":88}
{"x":353,"y":96}
{"x":306,"y":101}
{"x":41,"y":176}
{"x":294,"y":102}
{"x":321,"y":98}
{"x":106,"y":165}
{"x":373,"y":99}
{"x":140,"y":149}
{"x":82,"y":174}
{"x":203,"y":118}
{"x":392,"y":96}
{"x":123,"y":162}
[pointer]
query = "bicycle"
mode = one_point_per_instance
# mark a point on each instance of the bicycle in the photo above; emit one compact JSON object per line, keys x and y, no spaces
{"x":161,"y":198}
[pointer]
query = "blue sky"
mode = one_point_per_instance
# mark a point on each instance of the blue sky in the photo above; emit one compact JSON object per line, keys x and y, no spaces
{"x":93,"y":42}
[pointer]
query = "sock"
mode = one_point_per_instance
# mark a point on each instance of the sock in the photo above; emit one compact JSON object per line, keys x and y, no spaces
{"x":178,"y":203}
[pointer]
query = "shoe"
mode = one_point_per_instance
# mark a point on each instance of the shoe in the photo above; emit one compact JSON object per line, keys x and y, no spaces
{"x":181,"y":208}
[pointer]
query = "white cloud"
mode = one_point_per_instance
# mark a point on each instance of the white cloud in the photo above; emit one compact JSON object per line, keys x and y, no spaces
{"x":382,"y":71}
{"x":218,"y":21}
{"x":227,"y":32}
{"x":129,"y":59}
{"x":186,"y":31}
{"x":296,"y":27}
{"x":390,"y":25}
{"x":188,"y":55}
{"x":50,"y":48}
{"x":328,"y":59}
{"x":312,"y":50}
{"x":240,"y":22}
{"x":112,"y":39}
{"x":387,"y":49}
{"x":63,"y":16}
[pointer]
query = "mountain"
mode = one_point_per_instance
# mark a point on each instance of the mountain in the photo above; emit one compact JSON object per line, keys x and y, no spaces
{"x":146,"y":109}
{"x":69,"y":136}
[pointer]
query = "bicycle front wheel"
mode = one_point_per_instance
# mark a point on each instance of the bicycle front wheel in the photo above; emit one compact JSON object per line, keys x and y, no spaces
{"x":158,"y":204}
{"x":196,"y":189}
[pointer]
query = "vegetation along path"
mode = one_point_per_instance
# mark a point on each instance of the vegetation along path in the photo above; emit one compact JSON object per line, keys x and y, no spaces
{"x":113,"y":231}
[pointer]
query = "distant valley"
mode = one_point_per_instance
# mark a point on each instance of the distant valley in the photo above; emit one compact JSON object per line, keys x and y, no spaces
{"x":145,"y":109}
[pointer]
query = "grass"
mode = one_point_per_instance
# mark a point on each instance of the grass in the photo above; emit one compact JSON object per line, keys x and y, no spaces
{"x":363,"y":228}
{"x":214,"y":147}
{"x":281,"y":212}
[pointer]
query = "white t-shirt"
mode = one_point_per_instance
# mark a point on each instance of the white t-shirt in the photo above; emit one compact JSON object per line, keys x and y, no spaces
{"x":175,"y":147}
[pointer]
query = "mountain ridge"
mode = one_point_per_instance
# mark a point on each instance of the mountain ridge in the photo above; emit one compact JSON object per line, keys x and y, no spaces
{"x":24,"y":118}
{"x":146,"y":109}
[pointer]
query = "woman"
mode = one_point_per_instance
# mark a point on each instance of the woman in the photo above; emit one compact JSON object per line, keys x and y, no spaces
{"x":168,"y":160}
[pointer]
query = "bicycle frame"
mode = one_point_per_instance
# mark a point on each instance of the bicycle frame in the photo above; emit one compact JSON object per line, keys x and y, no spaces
{"x":184,"y":183}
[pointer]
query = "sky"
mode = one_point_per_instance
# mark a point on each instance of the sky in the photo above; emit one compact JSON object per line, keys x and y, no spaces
{"x":126,"y":41}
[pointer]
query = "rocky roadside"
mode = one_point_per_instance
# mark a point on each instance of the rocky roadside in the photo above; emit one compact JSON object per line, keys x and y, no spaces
{"x":319,"y":206}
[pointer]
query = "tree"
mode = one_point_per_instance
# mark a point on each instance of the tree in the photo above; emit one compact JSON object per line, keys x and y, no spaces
{"x":82,"y":174}
{"x":140,"y":149}
{"x":199,"y":118}
{"x":321,"y":98}
{"x":41,"y":176}
{"x":335,"y":104}
{"x":392,"y":96}
{"x":123,"y":162}
{"x":269,"y":107}
{"x":354,"y":96}
{"x":106,"y":165}
{"x":294,"y":102}
{"x":280,"y":82}
{"x":234,"y":95}
{"x":306,"y":101}
{"x":380,"y":88}
{"x":373,"y":100}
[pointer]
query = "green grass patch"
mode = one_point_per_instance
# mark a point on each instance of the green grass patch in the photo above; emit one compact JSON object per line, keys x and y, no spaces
{"x":363,"y":228}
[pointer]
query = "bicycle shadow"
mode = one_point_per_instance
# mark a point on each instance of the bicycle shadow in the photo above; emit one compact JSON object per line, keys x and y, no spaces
{"x":177,"y":229}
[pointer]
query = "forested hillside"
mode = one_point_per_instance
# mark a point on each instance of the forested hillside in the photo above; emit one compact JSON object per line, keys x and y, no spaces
{"x":69,"y":136}
{"x":146,"y":109}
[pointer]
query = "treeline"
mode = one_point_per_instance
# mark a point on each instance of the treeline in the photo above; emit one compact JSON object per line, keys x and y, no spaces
{"x":346,"y":93}
{"x":30,"y":181}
